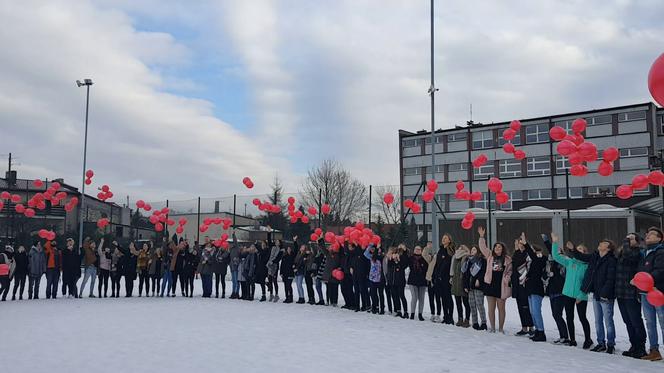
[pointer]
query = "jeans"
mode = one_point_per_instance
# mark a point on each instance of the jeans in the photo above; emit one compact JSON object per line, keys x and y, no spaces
{"x":52,"y":280}
{"x":90,"y":273}
{"x":33,"y":286}
{"x":206,"y":281}
{"x":535,"y":306}
{"x":630,"y":310}
{"x":652,"y":314}
{"x":298,"y":282}
{"x":604,"y":316}
{"x":236,"y":284}
{"x":319,"y":290}
{"x":166,"y":282}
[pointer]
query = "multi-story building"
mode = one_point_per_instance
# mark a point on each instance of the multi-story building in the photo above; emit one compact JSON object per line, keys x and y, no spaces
{"x":539,"y":179}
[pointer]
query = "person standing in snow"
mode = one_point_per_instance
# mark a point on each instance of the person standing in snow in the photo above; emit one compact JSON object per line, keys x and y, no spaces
{"x":262,"y":257}
{"x":53,"y":268}
{"x":652,"y":262}
{"x":627,"y":296}
{"x":130,"y":268}
{"x":90,"y":262}
{"x":332,"y":262}
{"x":441,"y":277}
{"x":397,"y":262}
{"x":155,"y":269}
{"x":105,"y":257}
{"x":71,"y":268}
{"x":496,"y":280}
{"x":417,"y":281}
{"x":234,"y":265}
{"x":6,"y":264}
{"x":456,"y":282}
{"x":376,"y":278}
{"x":429,"y":254}
{"x":554,"y":282}
{"x":20,"y":272}
{"x":288,"y":272}
{"x":205,"y":268}
{"x":519,"y":292}
{"x":117,"y":269}
{"x":473,"y":271}
{"x":533,"y":282}
{"x":37,"y":260}
{"x":273,"y":267}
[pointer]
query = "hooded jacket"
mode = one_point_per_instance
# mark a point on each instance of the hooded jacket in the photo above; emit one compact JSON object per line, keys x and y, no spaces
{"x":37,"y":260}
{"x":653,"y":262}
{"x":575,"y":271}
{"x":458,"y":260}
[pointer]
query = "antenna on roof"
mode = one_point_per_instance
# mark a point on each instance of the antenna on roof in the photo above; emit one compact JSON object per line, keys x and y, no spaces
{"x":471,"y":111}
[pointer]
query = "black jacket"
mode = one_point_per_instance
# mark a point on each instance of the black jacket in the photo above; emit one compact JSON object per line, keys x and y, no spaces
{"x":418,"y":271}
{"x":359,"y":263}
{"x":470,"y":280}
{"x":627,"y":265}
{"x":130,"y":264}
{"x":600,"y":277}
{"x":286,"y":268}
{"x":535,"y":276}
{"x":554,"y":281}
{"x":71,"y":262}
{"x":262,"y":257}
{"x":653,"y":263}
{"x":21,"y":260}
{"x":441,"y":271}
{"x":396,"y":271}
{"x":518,"y":259}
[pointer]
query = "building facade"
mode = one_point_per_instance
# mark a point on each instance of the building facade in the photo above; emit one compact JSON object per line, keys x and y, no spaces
{"x":540,"y":179}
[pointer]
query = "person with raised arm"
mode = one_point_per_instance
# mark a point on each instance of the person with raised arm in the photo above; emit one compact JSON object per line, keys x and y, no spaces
{"x":496,"y":280}
{"x":534,"y":285}
{"x":376,"y":278}
{"x":519,"y":293}
{"x":473,"y":281}
{"x":71,"y":268}
{"x":90,"y":262}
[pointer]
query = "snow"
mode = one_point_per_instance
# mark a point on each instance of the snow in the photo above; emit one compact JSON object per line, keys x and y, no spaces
{"x":222,"y":335}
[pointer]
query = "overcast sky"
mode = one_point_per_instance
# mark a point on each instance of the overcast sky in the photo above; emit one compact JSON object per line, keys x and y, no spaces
{"x":189,"y":97}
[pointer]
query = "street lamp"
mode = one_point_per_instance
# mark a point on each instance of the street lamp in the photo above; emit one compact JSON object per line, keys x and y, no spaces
{"x":86,"y":83}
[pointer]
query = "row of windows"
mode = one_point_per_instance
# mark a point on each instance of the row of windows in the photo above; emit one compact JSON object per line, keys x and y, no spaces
{"x":535,"y":133}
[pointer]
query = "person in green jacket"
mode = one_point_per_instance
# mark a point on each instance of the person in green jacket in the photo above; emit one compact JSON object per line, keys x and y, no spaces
{"x":574,"y":272}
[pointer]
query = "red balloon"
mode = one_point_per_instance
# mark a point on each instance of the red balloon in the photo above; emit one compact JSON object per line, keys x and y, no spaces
{"x":165,"y":210}
{"x":179,"y":230}
{"x":318,"y":231}
{"x":475,"y":196}
{"x":557,"y":133}
{"x":519,"y":154}
{"x":432,"y":185}
{"x":575,"y":158}
{"x":588,"y":149}
{"x":291,"y":200}
{"x":359,"y":225}
{"x":428,"y":196}
{"x":656,"y":298}
{"x":388,"y":198}
{"x":305,"y":219}
{"x":326,"y":209}
{"x":5,"y":195}
{"x":140,"y":204}
{"x":605,"y":168}
{"x":313,"y":237}
{"x":43,"y":233}
{"x":293,"y":219}
{"x":477,"y":162}
{"x":56,"y":186}
{"x":170,"y":222}
{"x":256,"y":201}
{"x":338,"y":275}
{"x":101,"y":196}
{"x":89,"y":174}
{"x":2,"y":205}
{"x":469,"y":216}
{"x":644,"y":281}
{"x":50,"y":236}
{"x":38,"y":183}
{"x":154,"y":219}
{"x":19,"y":208}
{"x":509,"y":148}
{"x":16,"y":198}
{"x":29,"y":213}
{"x":515,"y":125}
{"x":312,"y":210}
{"x":624,"y":191}
{"x":656,"y":80}
{"x":578,"y":170}
{"x":610,"y":154}
{"x":88,"y":181}
{"x":158,"y":227}
{"x":639,"y":182}
{"x":509,"y":134}
{"x":656,"y":178}
{"x":416,"y":208}
{"x":579,"y":125}
{"x":147,"y":207}
{"x":298,"y":214}
{"x":459,"y":185}
{"x":463,"y":195}
{"x":203,"y":228}
{"x":566,"y":148}
{"x":466,"y":224}
{"x":408,"y":203}
{"x":495,"y":185}
{"x":105,"y":188}
{"x":502,"y":198}
{"x":576,"y":139}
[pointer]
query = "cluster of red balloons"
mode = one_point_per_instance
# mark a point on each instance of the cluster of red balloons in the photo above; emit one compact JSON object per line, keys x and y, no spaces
{"x":88,"y":177}
{"x":464,"y":195}
{"x":412,"y":205}
{"x":296,"y":214}
{"x":222,"y":241}
{"x":103,"y":222}
{"x":46,"y":234}
{"x":71,"y":204}
{"x":579,"y":151}
{"x":159,"y":218}
{"x":248,"y":183}
{"x":496,"y":186}
{"x":509,"y":135}
{"x":640,"y":182}
{"x":656,"y":80}
{"x":266,"y":206}
{"x":645,"y":282}
{"x":388,"y":198}
{"x":609,"y":155}
{"x":430,"y":193}
{"x":468,"y":220}
{"x":105,"y":193}
{"x":140,"y":204}
{"x":357,"y":234}
{"x":181,"y":225}
{"x":317,"y":234}
{"x":224,"y":222}
{"x":480,"y":160}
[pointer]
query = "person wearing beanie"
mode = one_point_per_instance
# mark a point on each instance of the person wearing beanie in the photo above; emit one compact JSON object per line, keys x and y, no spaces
{"x":20,"y":271}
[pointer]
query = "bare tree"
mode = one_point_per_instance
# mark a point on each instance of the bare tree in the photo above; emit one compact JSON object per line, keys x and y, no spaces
{"x":346,"y":195}
{"x":391,"y":214}
{"x":278,"y":220}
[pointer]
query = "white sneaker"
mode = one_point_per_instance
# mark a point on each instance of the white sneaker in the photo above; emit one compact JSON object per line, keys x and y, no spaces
{"x":492,"y":330}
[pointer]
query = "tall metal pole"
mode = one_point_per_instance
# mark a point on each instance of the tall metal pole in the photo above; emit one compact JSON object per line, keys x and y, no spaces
{"x":432,"y":93}
{"x":198,"y":222}
{"x":87,"y":84}
{"x":234,"y":212}
{"x":370,"y":206}
{"x":569,"y":219}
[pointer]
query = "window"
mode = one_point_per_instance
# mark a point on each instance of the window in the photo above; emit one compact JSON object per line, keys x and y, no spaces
{"x":660,"y":120}
{"x":516,"y":195}
{"x":642,"y":192}
{"x":538,"y":166}
{"x":566,"y":124}
{"x":483,"y":202}
{"x":420,"y":227}
{"x":484,"y":172}
{"x":482,"y":140}
{"x":601,"y":191}
{"x":562,"y":164}
{"x":575,"y":192}
{"x":536,"y":194}
{"x":455,"y":137}
{"x":427,"y":140}
{"x":633,"y":152}
{"x":457,"y":167}
{"x":537,"y":133}
{"x":600,"y":119}
{"x":439,"y":169}
{"x":510,"y":168}
{"x":633,"y":115}
{"x":411,"y":143}
{"x":501,"y":141}
{"x":412,"y":171}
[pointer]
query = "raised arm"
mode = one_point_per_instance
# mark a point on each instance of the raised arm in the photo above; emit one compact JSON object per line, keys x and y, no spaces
{"x":367,"y":252}
{"x":581,"y":256}
{"x":482,"y":243}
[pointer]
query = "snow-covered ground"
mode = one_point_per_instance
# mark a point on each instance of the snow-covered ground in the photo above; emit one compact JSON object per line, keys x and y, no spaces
{"x":221,"y":335}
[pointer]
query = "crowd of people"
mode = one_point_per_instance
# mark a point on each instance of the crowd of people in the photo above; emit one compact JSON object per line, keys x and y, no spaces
{"x":453,"y":276}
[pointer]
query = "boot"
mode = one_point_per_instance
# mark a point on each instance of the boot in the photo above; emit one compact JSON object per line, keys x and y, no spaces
{"x":276,"y":298}
{"x":638,"y":353}
{"x":419,"y":317}
{"x":654,"y":355}
{"x":610,"y":350}
{"x":539,"y":336}
{"x":476,"y":326}
{"x":412,"y":316}
{"x":587,"y":343}
{"x":312,"y":302}
{"x":599,"y":348}
{"x":263,"y":299}
{"x":466,"y":324}
{"x":14,"y":297}
{"x":483,"y":327}
{"x":397,"y":314}
{"x":300,"y":301}
{"x":459,"y":323}
{"x":321,"y":303}
{"x":571,"y":343}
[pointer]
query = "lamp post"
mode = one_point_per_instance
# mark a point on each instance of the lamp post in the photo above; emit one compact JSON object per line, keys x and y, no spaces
{"x":432,"y":93}
{"x":86,"y":83}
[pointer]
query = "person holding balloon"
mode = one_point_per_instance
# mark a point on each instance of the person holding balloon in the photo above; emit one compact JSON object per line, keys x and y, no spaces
{"x":600,"y":280}
{"x":652,"y":263}
{"x":331,"y":274}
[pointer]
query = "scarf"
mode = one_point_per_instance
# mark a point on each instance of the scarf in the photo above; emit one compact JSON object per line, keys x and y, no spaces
{"x":461,"y":253}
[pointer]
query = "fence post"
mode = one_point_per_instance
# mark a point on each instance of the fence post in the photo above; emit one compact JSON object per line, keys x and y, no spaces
{"x":198,"y":222}
{"x":234,"y":205}
{"x":370,"y":206}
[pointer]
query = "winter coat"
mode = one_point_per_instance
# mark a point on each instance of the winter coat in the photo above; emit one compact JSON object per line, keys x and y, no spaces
{"x":234,"y":256}
{"x":273,"y":261}
{"x":247,"y":267}
{"x":359,"y":263}
{"x":418,"y":271}
{"x":505,"y":289}
{"x":375,"y":266}
{"x":627,"y":264}
{"x":130,"y":264}
{"x":142,"y":260}
{"x":332,"y":262}
{"x":53,"y":256}
{"x":600,"y":278}
{"x":206,"y":264}
{"x":520,"y":267}
{"x":71,"y":263}
{"x":155,"y":263}
{"x":429,"y":254}
{"x":443,"y":262}
{"x":176,"y":260}
{"x":396,"y":270}
{"x":37,"y":260}
{"x":104,"y":258}
{"x":191,"y":259}
{"x":458,"y":260}
{"x":473,"y":271}
{"x":653,"y":262}
{"x":535,"y":277}
{"x":90,"y":256}
{"x":221,"y":260}
{"x":287,"y":262}
{"x":262,"y":257}
{"x":117,"y":262}
{"x":301,"y":263}
{"x":320,"y":260}
{"x":575,"y":271}
{"x":21,"y":260}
